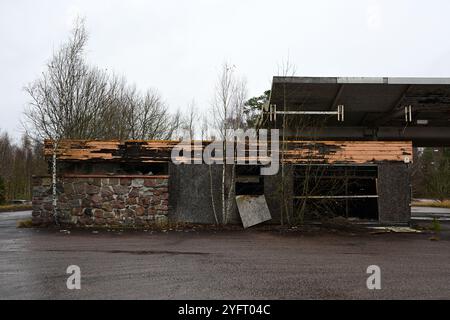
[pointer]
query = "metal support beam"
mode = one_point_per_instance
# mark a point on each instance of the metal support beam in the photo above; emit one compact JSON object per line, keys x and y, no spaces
{"x":273,"y":112}
{"x":336,"y":197}
{"x":307,"y":112}
{"x":408,"y":114}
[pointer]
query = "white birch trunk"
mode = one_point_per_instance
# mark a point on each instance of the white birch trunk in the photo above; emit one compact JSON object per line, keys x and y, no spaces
{"x":224,"y":205}
{"x":54,"y":191}
{"x":212,"y":195}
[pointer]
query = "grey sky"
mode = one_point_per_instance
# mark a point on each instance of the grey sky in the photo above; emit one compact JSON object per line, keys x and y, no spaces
{"x":178,"y":47}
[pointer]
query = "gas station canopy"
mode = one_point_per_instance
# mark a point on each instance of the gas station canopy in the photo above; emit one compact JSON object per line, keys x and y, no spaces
{"x":416,"y":109}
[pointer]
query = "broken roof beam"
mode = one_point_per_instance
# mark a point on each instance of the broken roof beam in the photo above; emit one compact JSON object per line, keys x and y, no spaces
{"x":300,"y":152}
{"x":296,"y":152}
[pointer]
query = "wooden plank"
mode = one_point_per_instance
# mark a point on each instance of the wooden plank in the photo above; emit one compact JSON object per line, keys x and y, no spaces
{"x":295,"y":151}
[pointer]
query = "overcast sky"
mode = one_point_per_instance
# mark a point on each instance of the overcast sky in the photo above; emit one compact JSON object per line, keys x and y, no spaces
{"x":178,"y":47}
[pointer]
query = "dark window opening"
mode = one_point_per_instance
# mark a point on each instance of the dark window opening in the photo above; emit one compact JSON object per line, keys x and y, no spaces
{"x":317,"y":209}
{"x":248,"y":180}
{"x":144,"y":168}
{"x":336,"y":190}
{"x":126,"y":168}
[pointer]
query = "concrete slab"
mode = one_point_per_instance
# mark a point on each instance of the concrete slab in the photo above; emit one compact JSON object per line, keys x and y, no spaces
{"x":253,"y":210}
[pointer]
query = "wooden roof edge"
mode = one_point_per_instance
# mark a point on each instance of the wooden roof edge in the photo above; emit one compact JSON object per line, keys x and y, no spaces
{"x":175,"y":141}
{"x":109,"y":140}
{"x":99,"y":175}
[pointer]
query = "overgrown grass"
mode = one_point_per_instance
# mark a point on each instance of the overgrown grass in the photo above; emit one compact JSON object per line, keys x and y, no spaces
{"x":436,"y":225}
{"x":15,"y":207}
{"x":435,"y":204}
{"x":28,"y":223}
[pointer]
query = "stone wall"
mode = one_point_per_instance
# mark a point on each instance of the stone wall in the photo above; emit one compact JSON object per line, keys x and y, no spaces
{"x":106,"y":201}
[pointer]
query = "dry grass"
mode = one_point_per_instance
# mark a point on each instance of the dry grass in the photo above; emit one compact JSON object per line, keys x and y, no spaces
{"x":435,"y":204}
{"x":15,"y":207}
{"x":28,"y":223}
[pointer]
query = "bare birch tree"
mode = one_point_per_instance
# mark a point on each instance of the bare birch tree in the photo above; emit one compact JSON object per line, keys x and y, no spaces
{"x":285,"y":69}
{"x":63,"y":101}
{"x":190,"y":120}
{"x":60,"y":100}
{"x":228,"y":106}
{"x":204,"y":128}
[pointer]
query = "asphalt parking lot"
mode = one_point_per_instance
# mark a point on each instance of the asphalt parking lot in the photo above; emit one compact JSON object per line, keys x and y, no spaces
{"x":251,"y":264}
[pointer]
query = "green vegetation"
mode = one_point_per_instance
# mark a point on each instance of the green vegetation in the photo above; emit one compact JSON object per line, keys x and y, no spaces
{"x":436,"y":225}
{"x":252,"y":108}
{"x":431,"y":173}
{"x":28,"y":223}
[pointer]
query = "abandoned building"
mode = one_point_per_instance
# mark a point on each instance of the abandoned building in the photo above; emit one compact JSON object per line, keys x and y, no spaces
{"x":346,"y":149}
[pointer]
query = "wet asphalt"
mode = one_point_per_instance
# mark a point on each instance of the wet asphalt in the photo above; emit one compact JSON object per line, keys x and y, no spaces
{"x":251,"y":264}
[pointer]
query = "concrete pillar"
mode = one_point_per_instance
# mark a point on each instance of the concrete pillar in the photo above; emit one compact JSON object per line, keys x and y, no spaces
{"x":394,"y":193}
{"x":274,"y":196}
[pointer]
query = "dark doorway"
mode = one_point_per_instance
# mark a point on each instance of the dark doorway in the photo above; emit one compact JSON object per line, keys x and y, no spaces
{"x":248,"y":180}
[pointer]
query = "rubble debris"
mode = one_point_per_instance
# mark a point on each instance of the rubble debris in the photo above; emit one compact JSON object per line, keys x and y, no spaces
{"x":395,"y":230}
